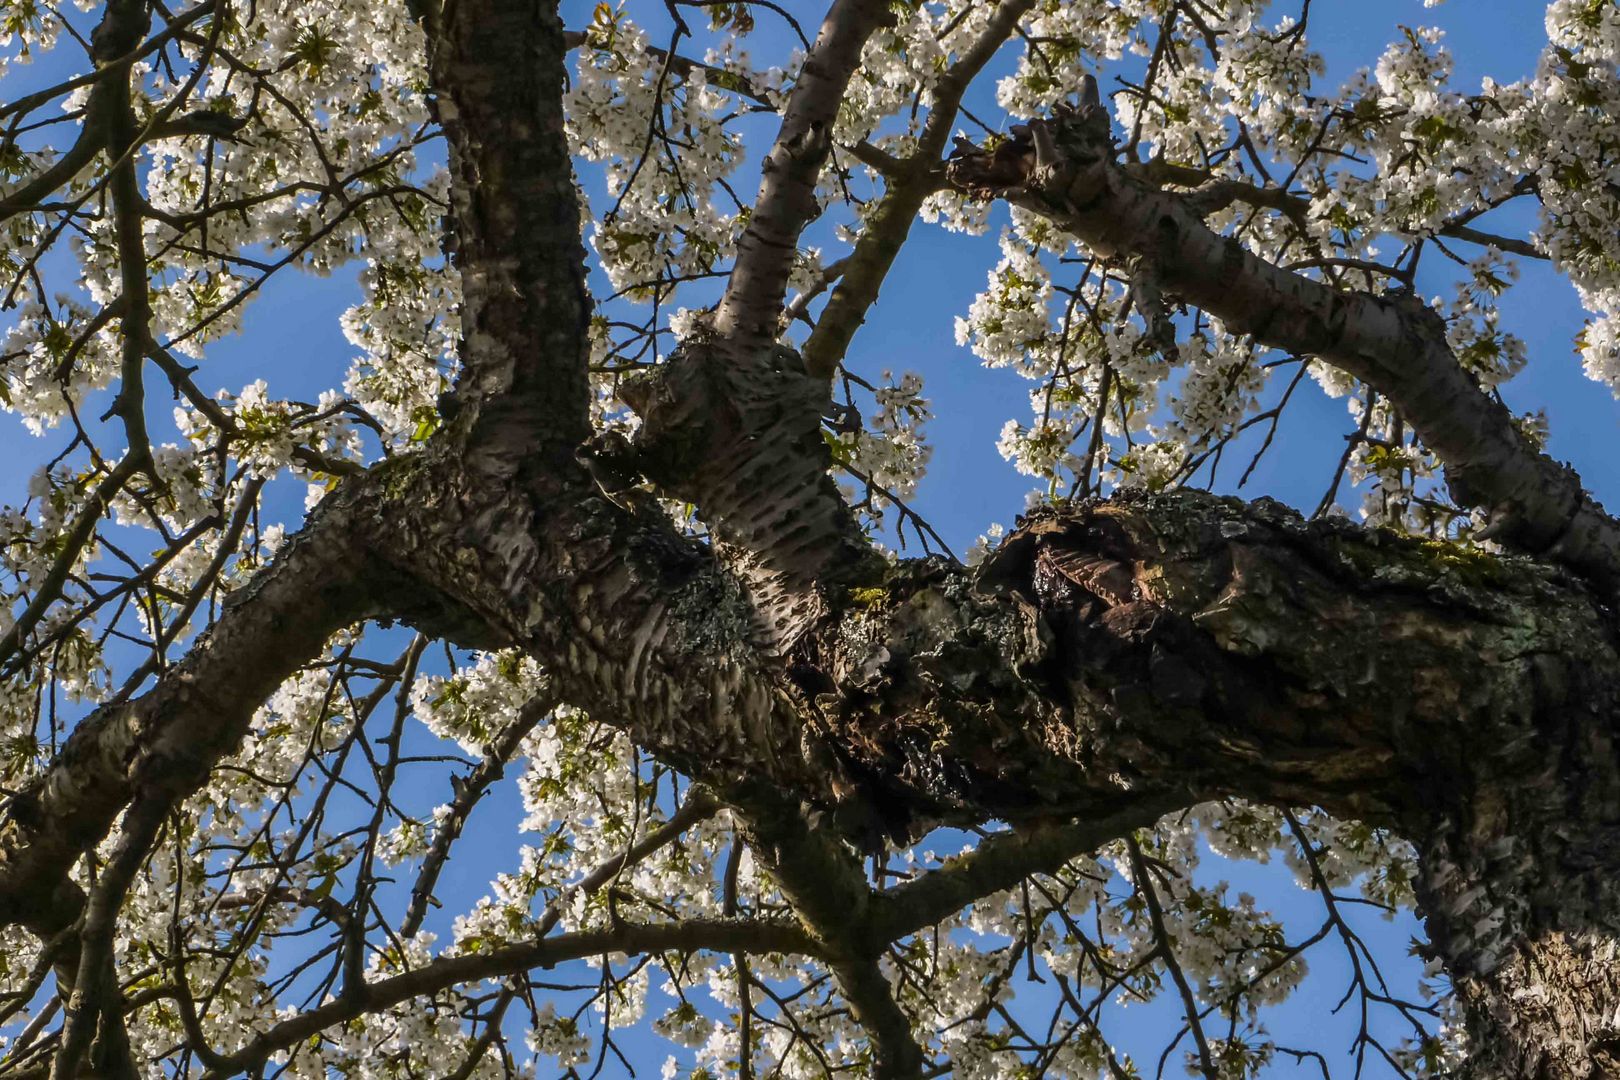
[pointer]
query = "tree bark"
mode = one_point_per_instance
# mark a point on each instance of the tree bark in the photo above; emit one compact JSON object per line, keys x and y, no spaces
{"x":1120,"y":660}
{"x":1064,"y":169}
{"x":1112,"y":662}
{"x":1163,"y":648}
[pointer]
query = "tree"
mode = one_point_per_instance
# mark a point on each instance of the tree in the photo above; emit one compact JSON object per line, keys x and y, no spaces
{"x":724,"y":694}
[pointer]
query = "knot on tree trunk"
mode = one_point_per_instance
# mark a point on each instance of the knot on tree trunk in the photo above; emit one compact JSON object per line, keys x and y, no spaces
{"x":736,"y":431}
{"x":1058,"y":158}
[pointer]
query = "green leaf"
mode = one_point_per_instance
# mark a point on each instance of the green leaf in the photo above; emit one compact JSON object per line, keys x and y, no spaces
{"x":324,"y":889}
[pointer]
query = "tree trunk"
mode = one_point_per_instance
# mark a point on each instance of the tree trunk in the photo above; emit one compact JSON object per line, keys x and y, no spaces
{"x":1196,"y":647}
{"x":1112,"y":662}
{"x":1520,"y":885}
{"x":1123,"y":659}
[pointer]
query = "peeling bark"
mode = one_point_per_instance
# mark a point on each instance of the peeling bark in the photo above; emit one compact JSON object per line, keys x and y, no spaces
{"x":1122,"y":659}
{"x":732,"y":423}
{"x":737,"y":432}
{"x":1111,"y":662}
{"x":1156,"y":650}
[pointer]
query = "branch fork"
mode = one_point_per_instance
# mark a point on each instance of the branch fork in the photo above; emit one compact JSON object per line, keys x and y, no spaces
{"x":735,"y":429}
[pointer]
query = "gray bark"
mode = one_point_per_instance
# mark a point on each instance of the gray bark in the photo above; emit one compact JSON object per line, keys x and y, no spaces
{"x":1112,"y":662}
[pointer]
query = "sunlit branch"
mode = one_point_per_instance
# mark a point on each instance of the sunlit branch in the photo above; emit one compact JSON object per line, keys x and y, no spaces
{"x":718,"y":935}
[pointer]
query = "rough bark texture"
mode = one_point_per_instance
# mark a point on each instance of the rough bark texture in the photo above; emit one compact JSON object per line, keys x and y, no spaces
{"x":1112,"y":662}
{"x":1127,"y":658}
{"x":521,"y":397}
{"x":733,"y":423}
{"x":737,"y":432}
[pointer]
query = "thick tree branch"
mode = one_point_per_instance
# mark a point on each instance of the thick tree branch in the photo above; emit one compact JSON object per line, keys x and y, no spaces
{"x":1191,"y":647}
{"x":27,"y":196}
{"x":1064,"y":169}
{"x":95,"y":994}
{"x":732,"y":422}
{"x":822,"y":880}
{"x":1001,"y":862}
{"x":135,"y":314}
{"x":498,"y":70}
{"x":1111,"y":661}
{"x":739,"y":436}
{"x":1114,"y":659}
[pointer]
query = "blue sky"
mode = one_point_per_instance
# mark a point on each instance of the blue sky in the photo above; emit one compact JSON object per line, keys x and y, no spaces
{"x":292,"y":339}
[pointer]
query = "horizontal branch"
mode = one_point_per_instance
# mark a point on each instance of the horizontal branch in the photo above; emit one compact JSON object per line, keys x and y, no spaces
{"x":443,"y":973}
{"x":1000,"y":862}
{"x":820,"y":875}
{"x":1156,"y":650}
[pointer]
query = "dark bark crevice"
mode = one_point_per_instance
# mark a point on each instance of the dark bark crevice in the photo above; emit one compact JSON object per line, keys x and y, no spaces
{"x":1204,"y":643}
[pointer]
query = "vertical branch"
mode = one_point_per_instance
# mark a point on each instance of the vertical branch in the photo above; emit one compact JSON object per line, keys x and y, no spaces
{"x":354,"y":933}
{"x":752,"y":305}
{"x":523,"y":393}
{"x":1166,"y":948}
{"x":824,"y":885}
{"x":94,"y":998}
{"x":125,"y":24}
{"x":745,"y":1005}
